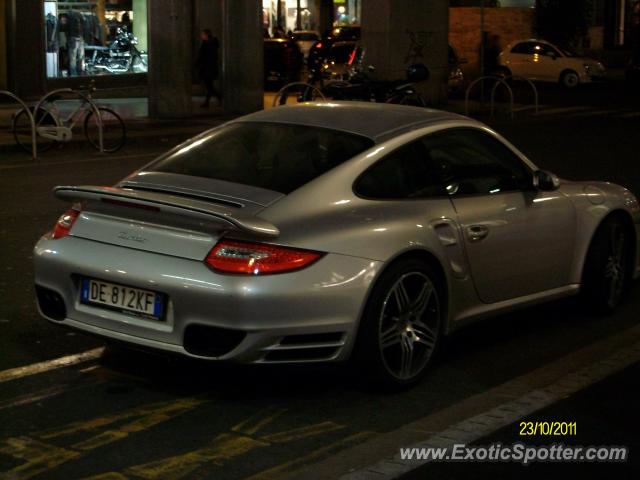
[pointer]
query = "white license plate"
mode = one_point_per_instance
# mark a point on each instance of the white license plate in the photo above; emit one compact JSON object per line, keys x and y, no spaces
{"x":122,"y":298}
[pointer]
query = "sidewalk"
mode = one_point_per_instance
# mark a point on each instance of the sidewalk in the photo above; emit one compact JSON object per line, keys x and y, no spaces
{"x":135,"y":113}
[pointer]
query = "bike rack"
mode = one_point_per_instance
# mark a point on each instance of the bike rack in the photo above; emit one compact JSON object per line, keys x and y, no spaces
{"x":516,"y":77}
{"x":34,"y":143}
{"x":295,"y":84}
{"x":93,"y":106}
{"x":498,"y":81}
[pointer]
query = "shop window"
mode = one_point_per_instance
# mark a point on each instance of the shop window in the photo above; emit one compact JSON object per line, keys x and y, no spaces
{"x":95,"y":37}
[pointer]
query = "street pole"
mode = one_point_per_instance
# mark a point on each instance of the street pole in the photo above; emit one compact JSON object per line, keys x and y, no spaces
{"x":298,"y":16}
{"x":482,"y":51}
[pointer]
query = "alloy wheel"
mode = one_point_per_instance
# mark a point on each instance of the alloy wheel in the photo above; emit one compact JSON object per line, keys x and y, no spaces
{"x":614,"y":270}
{"x":408,"y":326}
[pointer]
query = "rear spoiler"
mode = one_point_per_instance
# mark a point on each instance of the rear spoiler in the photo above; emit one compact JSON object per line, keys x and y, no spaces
{"x":168,"y":203}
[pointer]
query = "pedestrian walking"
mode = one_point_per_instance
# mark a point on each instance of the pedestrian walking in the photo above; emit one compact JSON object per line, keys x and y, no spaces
{"x":207,"y":64}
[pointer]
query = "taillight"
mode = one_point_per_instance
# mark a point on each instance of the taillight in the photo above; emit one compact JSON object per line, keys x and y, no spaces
{"x":65,"y":222}
{"x":234,"y":256}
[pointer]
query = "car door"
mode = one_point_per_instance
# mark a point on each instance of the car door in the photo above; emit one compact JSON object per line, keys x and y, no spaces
{"x":405,"y":175}
{"x":547,"y":62}
{"x":521,"y":59}
{"x":518,"y":240}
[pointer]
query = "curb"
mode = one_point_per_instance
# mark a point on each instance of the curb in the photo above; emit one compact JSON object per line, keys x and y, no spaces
{"x":479,"y":415}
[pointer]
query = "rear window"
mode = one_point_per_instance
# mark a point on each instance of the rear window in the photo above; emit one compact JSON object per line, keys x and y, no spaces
{"x":274,"y":156}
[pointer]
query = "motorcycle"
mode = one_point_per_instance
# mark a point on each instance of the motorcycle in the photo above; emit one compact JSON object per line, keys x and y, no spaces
{"x":359,"y":83}
{"x":362,"y":87}
{"x":121,"y":56}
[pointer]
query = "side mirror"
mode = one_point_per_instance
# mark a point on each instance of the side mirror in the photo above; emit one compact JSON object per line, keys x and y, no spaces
{"x":545,"y":181}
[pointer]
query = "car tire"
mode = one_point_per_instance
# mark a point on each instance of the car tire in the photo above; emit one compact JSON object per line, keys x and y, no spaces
{"x":570,"y":79}
{"x":401,"y":326}
{"x":606,"y":274}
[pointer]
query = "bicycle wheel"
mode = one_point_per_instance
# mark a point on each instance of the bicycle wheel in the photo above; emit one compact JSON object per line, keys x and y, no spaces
{"x":114,"y":133}
{"x":21,"y":126}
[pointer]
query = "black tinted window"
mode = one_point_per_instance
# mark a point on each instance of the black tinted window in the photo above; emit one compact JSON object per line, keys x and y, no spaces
{"x":404,"y":173}
{"x":527,"y":48}
{"x":471,"y":162}
{"x":277,"y":157}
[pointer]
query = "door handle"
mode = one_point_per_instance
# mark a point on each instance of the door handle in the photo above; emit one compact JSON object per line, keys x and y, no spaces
{"x":475,"y":233}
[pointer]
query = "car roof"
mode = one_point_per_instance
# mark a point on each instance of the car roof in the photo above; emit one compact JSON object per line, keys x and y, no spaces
{"x":378,"y":121}
{"x":537,"y":40}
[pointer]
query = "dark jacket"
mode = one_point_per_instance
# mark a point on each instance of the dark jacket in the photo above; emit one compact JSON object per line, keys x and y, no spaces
{"x":75,"y":25}
{"x":207,"y":61}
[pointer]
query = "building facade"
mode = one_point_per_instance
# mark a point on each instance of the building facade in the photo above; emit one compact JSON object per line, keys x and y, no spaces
{"x":149,"y":45}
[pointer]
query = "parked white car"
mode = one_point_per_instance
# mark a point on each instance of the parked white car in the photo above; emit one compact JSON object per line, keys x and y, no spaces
{"x":542,"y":61}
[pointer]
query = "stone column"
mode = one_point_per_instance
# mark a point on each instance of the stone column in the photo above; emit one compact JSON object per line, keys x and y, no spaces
{"x":170,"y":59}
{"x":242,"y":56}
{"x":25,"y":48}
{"x":399,"y":32}
{"x":326,"y":16}
{"x":3,"y":47}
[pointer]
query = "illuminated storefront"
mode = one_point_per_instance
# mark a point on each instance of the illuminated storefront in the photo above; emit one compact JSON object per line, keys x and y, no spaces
{"x":284,"y":14}
{"x":347,"y":12}
{"x":290,"y":15}
{"x":95,"y":37}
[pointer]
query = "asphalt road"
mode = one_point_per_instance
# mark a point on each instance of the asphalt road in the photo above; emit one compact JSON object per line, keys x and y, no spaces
{"x":135,"y":415}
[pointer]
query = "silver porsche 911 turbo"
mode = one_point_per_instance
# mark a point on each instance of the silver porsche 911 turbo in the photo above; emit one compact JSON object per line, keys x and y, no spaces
{"x":331,"y":231}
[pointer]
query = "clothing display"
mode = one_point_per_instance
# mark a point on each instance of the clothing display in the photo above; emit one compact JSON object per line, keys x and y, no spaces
{"x":90,"y":37}
{"x":51,"y":23}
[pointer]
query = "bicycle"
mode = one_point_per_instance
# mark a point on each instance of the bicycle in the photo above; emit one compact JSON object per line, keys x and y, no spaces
{"x":54,"y":126}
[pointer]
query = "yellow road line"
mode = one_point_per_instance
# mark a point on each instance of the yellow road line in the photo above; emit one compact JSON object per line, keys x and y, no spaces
{"x":108,"y":476}
{"x":36,"y":396}
{"x":143,"y":412}
{"x":224,"y":447}
{"x":302,"y":432}
{"x":286,"y":468}
{"x":255,"y":422}
{"x":146,"y":421}
{"x":41,"y":367}
{"x":40,"y":457}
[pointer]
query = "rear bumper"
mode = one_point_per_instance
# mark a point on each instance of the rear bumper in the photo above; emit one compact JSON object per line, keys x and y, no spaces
{"x":304,"y":316}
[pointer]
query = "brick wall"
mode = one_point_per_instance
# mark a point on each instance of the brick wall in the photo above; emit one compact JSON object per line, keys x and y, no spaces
{"x":464,"y":31}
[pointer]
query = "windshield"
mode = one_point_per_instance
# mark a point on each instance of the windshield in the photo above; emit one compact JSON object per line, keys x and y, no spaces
{"x":274,"y":156}
{"x":567,"y":52}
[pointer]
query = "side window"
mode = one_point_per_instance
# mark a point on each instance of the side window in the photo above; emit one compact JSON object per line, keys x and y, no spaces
{"x":402,"y":174}
{"x":471,"y":162}
{"x":526,"y":48}
{"x":547,"y":50}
